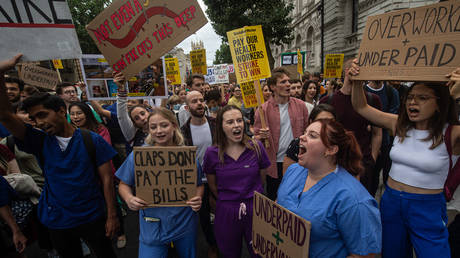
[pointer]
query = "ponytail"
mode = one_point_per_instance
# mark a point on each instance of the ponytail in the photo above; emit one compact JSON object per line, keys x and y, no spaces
{"x":349,"y":154}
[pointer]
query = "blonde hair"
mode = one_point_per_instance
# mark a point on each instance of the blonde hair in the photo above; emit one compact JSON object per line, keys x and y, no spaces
{"x":178,"y":138}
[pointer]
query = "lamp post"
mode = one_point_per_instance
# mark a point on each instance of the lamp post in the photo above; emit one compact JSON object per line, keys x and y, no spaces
{"x":321,"y":7}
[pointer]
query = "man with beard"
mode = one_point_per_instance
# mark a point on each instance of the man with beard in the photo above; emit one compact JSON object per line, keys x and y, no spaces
{"x":199,"y":131}
{"x":296,"y":88}
{"x":194,"y":82}
{"x":78,"y":199}
{"x":14,"y":87}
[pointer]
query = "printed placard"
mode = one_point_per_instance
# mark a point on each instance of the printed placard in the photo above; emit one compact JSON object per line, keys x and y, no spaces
{"x":276,"y":231}
{"x":133,"y":34}
{"x":198,"y":61}
{"x":249,"y":54}
{"x":39,"y":29}
{"x":165,"y":176}
{"x":172,"y":70}
{"x":300,"y":64}
{"x":416,"y":44}
{"x":249,"y":92}
{"x":57,"y":63}
{"x":333,"y":66}
{"x":38,"y":76}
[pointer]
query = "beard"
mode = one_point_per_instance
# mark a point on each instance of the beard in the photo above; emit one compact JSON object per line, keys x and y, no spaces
{"x":197,"y":113}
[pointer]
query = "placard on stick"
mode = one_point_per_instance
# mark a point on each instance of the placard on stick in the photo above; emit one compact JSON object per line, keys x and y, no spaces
{"x":38,"y":76}
{"x":198,"y":61}
{"x":333,"y":66}
{"x":249,"y":54}
{"x":417,"y":44}
{"x":165,"y":176}
{"x":132,"y":34}
{"x":286,"y":237}
{"x":249,"y":92}
{"x":172,"y":70}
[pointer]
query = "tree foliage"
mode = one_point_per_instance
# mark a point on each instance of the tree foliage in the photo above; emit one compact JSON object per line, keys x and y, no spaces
{"x":83,"y":12}
{"x":223,"y":55}
{"x":273,"y":15}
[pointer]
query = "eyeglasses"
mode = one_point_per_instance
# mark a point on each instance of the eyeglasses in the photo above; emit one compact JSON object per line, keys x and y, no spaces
{"x":420,"y":98}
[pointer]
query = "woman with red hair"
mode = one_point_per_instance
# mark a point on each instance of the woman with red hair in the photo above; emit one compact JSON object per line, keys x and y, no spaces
{"x":323,"y":189}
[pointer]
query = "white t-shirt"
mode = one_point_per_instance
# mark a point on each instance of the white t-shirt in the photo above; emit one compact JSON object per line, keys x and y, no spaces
{"x":201,"y":138}
{"x":63,"y":142}
{"x":285,"y":132}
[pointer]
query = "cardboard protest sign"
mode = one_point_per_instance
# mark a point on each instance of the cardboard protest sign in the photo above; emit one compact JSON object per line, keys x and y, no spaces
{"x":249,"y":92}
{"x":165,"y":176}
{"x":39,"y":29}
{"x":249,"y":54}
{"x":333,"y":66}
{"x":38,"y":76}
{"x":417,"y":44}
{"x":133,"y":34}
{"x":97,"y":73}
{"x":276,"y":237}
{"x":172,"y":70}
{"x":198,"y":61}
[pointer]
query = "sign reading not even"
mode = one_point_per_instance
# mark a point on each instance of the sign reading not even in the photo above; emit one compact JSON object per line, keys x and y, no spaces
{"x":132,"y":34}
{"x":276,"y":231}
{"x":165,"y":176}
{"x":39,"y":29}
{"x":417,"y":44}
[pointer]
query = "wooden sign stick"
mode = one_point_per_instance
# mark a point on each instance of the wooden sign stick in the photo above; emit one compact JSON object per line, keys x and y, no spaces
{"x":261,"y":111}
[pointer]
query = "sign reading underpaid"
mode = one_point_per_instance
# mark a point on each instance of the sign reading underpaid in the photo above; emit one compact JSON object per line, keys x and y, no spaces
{"x":38,"y":76}
{"x":165,"y":176}
{"x":249,"y":54}
{"x":198,"y":61}
{"x":417,"y":44}
{"x":133,"y":34}
{"x":172,"y":70}
{"x":333,"y":66}
{"x":277,"y":232}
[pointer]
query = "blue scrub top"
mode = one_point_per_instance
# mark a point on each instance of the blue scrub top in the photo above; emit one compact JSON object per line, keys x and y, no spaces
{"x":72,"y":194}
{"x":3,"y":131}
{"x":173,"y":222}
{"x":344,"y":218}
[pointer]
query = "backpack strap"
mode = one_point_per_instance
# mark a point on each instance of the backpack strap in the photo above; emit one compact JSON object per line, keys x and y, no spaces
{"x":10,"y":142}
{"x":89,"y":145}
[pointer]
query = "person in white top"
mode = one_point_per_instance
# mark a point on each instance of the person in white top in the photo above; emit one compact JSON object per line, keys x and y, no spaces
{"x":413,"y":206}
{"x":309,"y":94}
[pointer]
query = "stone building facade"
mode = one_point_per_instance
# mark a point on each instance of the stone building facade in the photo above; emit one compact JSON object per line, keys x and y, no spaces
{"x":344,"y":22}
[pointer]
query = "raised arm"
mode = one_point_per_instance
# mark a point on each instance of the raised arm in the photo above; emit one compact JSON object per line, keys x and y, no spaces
{"x":359,"y":102}
{"x":100,"y":110}
{"x":7,"y":118}
{"x":126,"y":124}
{"x":454,"y":87}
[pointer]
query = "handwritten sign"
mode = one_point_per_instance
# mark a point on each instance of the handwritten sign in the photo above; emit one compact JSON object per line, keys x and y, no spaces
{"x":249,"y":92}
{"x":276,"y":231}
{"x":198,"y":61}
{"x":333,"y":66}
{"x":165,"y":176}
{"x":38,"y":76}
{"x":417,"y":44}
{"x":39,"y":29}
{"x":172,"y":70}
{"x":132,"y":34}
{"x":249,"y":54}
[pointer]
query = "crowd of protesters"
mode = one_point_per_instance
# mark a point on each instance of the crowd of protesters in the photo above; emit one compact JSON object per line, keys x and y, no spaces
{"x":67,"y":167}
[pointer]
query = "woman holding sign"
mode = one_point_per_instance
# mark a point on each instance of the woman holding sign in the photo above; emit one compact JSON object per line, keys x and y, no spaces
{"x":322,"y":188}
{"x":161,"y":225}
{"x":413,"y":206}
{"x":234,"y":171}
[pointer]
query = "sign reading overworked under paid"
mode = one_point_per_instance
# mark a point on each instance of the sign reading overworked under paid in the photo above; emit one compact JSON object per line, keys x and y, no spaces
{"x":133,"y":34}
{"x":417,"y":44}
{"x":277,"y":232}
{"x":249,"y":55}
{"x":38,"y":76}
{"x":165,"y":176}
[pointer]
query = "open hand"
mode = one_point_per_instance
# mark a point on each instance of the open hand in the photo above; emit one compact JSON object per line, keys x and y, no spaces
{"x":6,"y":65}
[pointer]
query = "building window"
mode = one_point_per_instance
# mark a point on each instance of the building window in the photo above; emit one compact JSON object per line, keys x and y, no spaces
{"x":310,"y":39}
{"x":355,"y":13}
